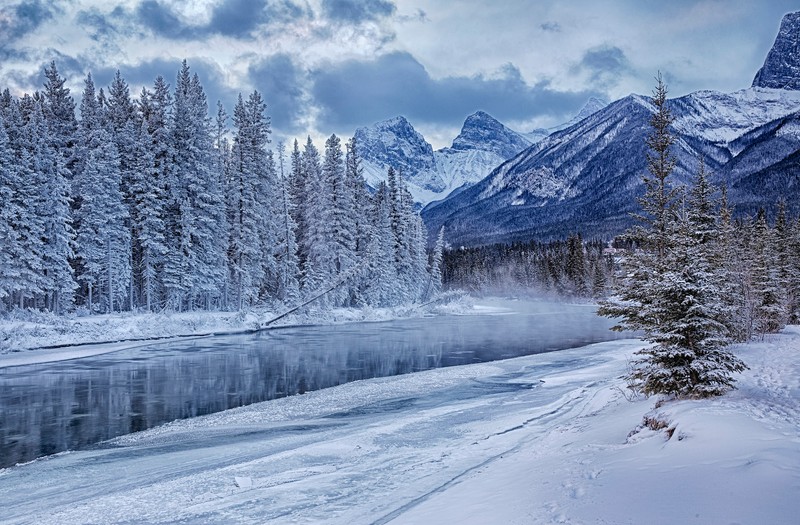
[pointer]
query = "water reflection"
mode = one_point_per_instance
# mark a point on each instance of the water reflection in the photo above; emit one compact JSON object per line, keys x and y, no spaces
{"x":65,"y":406}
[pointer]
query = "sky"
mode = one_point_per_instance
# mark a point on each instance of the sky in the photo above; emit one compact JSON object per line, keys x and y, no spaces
{"x":330,"y":66}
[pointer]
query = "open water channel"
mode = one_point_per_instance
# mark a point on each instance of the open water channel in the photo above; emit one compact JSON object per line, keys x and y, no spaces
{"x":69,"y":405}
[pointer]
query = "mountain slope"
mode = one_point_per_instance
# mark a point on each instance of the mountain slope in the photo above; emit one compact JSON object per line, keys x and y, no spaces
{"x":586,"y":178}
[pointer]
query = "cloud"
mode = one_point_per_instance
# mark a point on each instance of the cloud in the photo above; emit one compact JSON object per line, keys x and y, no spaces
{"x":232,"y":18}
{"x":17,"y":20}
{"x":551,"y":27}
{"x":162,"y":20}
{"x":97,"y":25}
{"x":357,"y":11}
{"x":357,"y":92}
{"x":280,"y":81}
{"x":605,"y":65}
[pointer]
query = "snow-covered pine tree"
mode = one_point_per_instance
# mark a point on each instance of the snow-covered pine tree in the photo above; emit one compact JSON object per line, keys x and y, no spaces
{"x":60,"y":115}
{"x":400,"y":237}
{"x":343,"y":225}
{"x":248,"y":201}
{"x":320,"y":268}
{"x":782,"y":237}
{"x":435,"y":270}
{"x":120,"y":115}
{"x":297,"y":192}
{"x":668,"y":289}
{"x":53,"y":207}
{"x":103,"y":241}
{"x":269,"y":186}
{"x":794,"y":279}
{"x":770,"y":314}
{"x":690,"y":359}
{"x":381,"y":287}
{"x":28,"y":225}
{"x":362,"y":218}
{"x":12,"y":254}
{"x":101,"y":218}
{"x":727,"y":261}
{"x":576,"y":266}
{"x":418,"y":238}
{"x":286,"y":250}
{"x":148,"y":205}
{"x":194,"y":266}
{"x":222,"y":158}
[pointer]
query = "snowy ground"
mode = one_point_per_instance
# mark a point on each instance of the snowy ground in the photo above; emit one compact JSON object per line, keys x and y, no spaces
{"x":539,"y":439}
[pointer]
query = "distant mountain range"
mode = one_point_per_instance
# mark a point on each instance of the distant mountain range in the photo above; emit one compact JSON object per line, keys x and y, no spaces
{"x":483,"y":144}
{"x":585,"y":177}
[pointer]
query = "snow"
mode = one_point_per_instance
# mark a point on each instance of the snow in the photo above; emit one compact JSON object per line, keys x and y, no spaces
{"x":36,"y":337}
{"x":549,"y":438}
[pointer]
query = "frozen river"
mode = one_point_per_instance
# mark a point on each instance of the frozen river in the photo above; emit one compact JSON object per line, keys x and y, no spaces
{"x":69,"y":405}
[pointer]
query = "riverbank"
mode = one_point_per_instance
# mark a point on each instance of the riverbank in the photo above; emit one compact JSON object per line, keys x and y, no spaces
{"x":49,"y":334}
{"x":548,"y":438}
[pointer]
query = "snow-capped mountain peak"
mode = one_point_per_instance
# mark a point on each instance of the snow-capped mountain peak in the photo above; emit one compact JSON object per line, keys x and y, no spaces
{"x":781,"y":69}
{"x":483,"y":131}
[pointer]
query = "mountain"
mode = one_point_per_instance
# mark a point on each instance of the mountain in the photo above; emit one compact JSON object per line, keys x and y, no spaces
{"x":484,"y":132}
{"x":781,"y":69}
{"x":396,"y":143}
{"x":592,"y":106}
{"x":586,"y":177}
{"x":483,"y":144}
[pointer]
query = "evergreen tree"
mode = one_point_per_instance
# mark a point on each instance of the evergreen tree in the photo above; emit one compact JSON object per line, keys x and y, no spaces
{"x":53,"y":207}
{"x":343,"y":226}
{"x":668,"y":289}
{"x":252,"y":244}
{"x":576,"y":266}
{"x":103,"y":240}
{"x":59,"y":111}
{"x":381,"y":288}
{"x":289,"y":290}
{"x":769,"y":295}
{"x":148,"y":205}
{"x":194,"y":265}
{"x":436,"y":265}
{"x":12,"y":252}
{"x":120,"y":115}
{"x":320,"y":267}
{"x":361,"y":219}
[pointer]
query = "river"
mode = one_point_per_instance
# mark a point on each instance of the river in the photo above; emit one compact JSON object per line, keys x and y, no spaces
{"x":70,"y":405}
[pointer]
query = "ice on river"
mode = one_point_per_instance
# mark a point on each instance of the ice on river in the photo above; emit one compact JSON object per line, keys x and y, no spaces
{"x":538,"y":439}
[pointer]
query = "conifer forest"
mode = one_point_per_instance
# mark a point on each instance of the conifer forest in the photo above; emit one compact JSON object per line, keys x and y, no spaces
{"x":149,"y":203}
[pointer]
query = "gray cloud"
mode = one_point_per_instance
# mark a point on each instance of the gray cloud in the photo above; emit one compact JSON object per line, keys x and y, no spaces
{"x":552,"y":27}
{"x":232,"y":18}
{"x":17,"y":20}
{"x":356,"y":92}
{"x":281,"y":83}
{"x":105,"y":27}
{"x":605,"y":65}
{"x":356,"y":11}
{"x":162,"y":20}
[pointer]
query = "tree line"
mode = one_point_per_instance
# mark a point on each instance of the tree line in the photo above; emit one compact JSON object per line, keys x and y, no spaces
{"x":150,"y":204}
{"x":567,"y":268}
